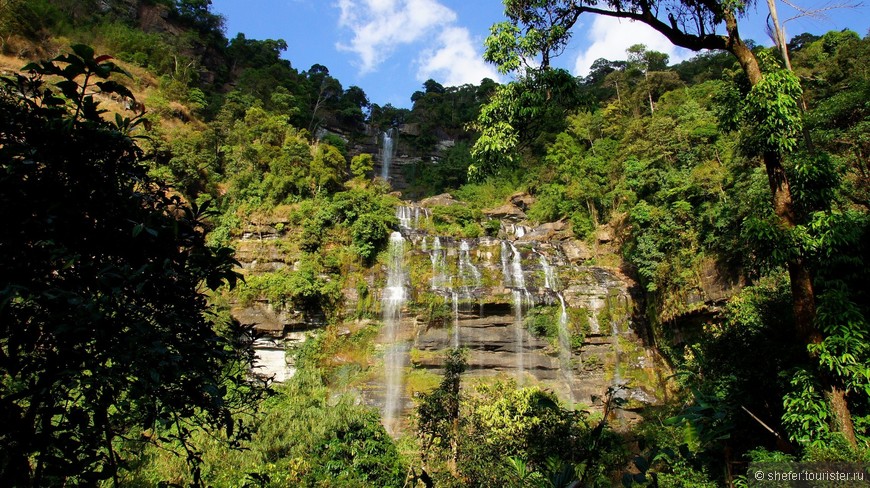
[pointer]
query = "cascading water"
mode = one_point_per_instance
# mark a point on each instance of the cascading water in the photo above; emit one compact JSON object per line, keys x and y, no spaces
{"x":505,"y":265}
{"x":438,"y":256}
{"x":565,"y":349}
{"x":388,"y":150}
{"x":520,"y":297}
{"x":391,"y":303}
{"x":455,"y":297}
{"x":404,"y":214}
{"x":616,"y":321}
{"x":549,"y":273}
{"x":469,"y":280}
{"x":469,"y":275}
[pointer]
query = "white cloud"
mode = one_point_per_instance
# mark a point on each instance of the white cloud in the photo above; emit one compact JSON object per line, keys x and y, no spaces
{"x":610,"y":37}
{"x":456,"y":62}
{"x":380,"y":26}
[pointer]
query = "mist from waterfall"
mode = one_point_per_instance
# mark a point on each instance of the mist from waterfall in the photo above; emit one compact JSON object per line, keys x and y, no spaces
{"x":392,"y":301}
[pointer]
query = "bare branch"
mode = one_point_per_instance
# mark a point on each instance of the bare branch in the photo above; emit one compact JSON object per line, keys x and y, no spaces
{"x":820,"y":12}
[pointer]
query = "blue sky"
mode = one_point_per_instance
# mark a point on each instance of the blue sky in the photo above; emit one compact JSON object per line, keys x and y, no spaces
{"x":390,"y":47}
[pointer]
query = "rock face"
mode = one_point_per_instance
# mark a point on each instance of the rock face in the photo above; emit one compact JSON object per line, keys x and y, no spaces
{"x":500,"y":298}
{"x":526,"y":305}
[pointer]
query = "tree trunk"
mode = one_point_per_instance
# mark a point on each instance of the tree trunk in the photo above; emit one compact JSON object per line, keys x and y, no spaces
{"x":803,"y":295}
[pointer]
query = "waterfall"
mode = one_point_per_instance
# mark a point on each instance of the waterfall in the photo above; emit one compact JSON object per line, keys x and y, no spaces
{"x":469,"y":281}
{"x":549,"y":273}
{"x":391,"y":303}
{"x":455,"y":297}
{"x":505,"y":265}
{"x":517,"y":277}
{"x":615,"y":322}
{"x":439,"y":264}
{"x":388,"y":150}
{"x":565,"y":349}
{"x":468,"y":272}
{"x":520,"y":296}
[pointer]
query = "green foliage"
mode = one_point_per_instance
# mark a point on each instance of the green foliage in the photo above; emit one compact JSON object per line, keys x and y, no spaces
{"x":108,"y":342}
{"x":438,"y":411}
{"x":303,"y":289}
{"x":361,"y":165}
{"x":457,"y":220}
{"x":303,"y":437}
{"x":772,"y":113}
{"x":518,"y":115}
{"x":807,"y":415}
{"x":504,"y":421}
{"x":448,"y":173}
{"x":327,"y":168}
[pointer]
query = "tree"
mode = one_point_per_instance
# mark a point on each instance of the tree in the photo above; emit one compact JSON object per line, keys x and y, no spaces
{"x":327,"y":168}
{"x":107,"y":343}
{"x":540,"y":29}
{"x":362,"y":164}
{"x":438,"y":411}
{"x":646,"y":61}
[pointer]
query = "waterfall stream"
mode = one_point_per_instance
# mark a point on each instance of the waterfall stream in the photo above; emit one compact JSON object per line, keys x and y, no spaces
{"x":455,"y":298}
{"x":565,"y":349}
{"x":469,"y":275}
{"x":391,"y":303}
{"x":549,"y":273}
{"x":520,"y":297}
{"x":388,"y":150}
{"x":462,"y":272}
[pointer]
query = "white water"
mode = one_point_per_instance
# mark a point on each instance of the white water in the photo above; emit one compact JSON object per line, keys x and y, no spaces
{"x":404,"y":214}
{"x":438,"y":256}
{"x":409,"y":217}
{"x":505,"y":265}
{"x":520,"y":297}
{"x":270,"y":360}
{"x":391,"y":303}
{"x":549,"y":273}
{"x":565,"y":350}
{"x":517,"y":278}
{"x":388,"y":150}
{"x":469,"y":275}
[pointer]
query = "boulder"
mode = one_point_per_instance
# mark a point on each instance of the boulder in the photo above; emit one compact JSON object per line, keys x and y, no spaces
{"x":522,"y":200}
{"x":545,"y":232}
{"x":576,"y":251}
{"x":506,"y":211}
{"x":604,"y":234}
{"x":442,"y":200}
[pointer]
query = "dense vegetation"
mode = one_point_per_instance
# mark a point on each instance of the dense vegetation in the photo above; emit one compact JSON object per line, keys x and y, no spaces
{"x":113,"y":241}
